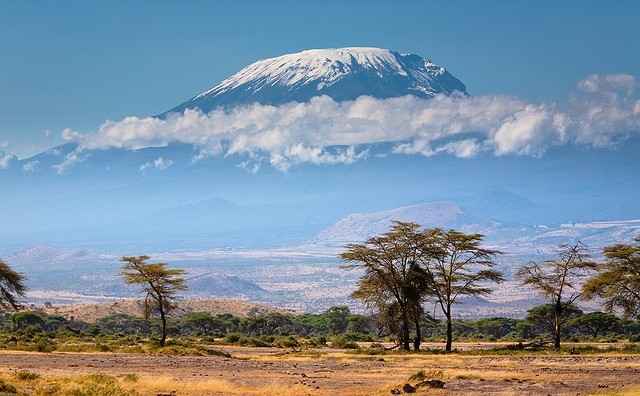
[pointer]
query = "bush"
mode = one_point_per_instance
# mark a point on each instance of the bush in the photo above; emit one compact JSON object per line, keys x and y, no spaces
{"x":286,"y":342}
{"x":254,"y":342}
{"x":376,"y":346}
{"x":24,"y":375}
{"x":634,"y":338}
{"x":317,"y":341}
{"x":7,"y":388}
{"x":232,"y":338}
{"x":358,"y":337}
{"x":343,"y":342}
{"x":103,"y":347}
{"x":130,"y":377}
{"x":43,"y":344}
{"x":99,"y":385}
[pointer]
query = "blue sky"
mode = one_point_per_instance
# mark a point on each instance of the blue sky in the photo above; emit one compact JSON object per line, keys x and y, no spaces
{"x":76,"y":64}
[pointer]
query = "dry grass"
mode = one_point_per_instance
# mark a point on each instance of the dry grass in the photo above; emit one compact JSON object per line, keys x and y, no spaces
{"x":631,"y":391}
{"x":268,"y":371}
{"x":90,"y":313}
{"x":136,"y":385}
{"x":153,"y":385}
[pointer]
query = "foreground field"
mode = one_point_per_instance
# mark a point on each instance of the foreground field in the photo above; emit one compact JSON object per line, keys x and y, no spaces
{"x":266,"y":371}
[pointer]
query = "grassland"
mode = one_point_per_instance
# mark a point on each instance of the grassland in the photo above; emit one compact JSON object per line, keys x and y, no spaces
{"x":274,"y":371}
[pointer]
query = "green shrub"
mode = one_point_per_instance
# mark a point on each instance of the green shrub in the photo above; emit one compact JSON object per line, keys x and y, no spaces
{"x":131,"y":377}
{"x":286,"y":342}
{"x":43,"y":344}
{"x":358,"y":337}
{"x":24,"y":375}
{"x":103,"y":347}
{"x":254,"y":342}
{"x":7,"y":388}
{"x":232,"y":338}
{"x":99,"y":385}
{"x":634,"y":338}
{"x":316,"y":341}
{"x":376,"y":346}
{"x":343,"y":342}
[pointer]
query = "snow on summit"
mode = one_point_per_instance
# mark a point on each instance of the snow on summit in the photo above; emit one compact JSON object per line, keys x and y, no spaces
{"x":341,"y":73}
{"x":327,"y":65}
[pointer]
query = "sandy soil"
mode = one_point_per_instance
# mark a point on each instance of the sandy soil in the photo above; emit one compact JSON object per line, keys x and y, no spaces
{"x":335,"y":372}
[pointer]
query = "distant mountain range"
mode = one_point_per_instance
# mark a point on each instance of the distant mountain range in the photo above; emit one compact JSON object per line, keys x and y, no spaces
{"x":308,"y":276}
{"x":518,"y":240}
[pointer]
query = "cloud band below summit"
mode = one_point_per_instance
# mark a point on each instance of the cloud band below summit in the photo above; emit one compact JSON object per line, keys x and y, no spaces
{"x":604,"y":110}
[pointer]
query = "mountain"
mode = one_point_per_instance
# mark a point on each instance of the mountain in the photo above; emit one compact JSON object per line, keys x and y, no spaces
{"x":341,"y":73}
{"x":519,"y":241}
{"x":360,"y":226}
{"x":177,"y":197}
{"x":36,"y":256}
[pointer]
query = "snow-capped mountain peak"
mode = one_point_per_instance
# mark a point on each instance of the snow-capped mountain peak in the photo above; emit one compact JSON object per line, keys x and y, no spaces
{"x":341,"y":73}
{"x":326,"y":65}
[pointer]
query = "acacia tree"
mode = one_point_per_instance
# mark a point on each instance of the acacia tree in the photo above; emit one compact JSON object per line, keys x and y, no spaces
{"x":542,"y":318}
{"x":159,"y":283}
{"x":12,"y":287}
{"x":390,"y":274}
{"x":595,"y":324}
{"x":456,"y":265}
{"x":618,"y":279}
{"x":556,"y":280}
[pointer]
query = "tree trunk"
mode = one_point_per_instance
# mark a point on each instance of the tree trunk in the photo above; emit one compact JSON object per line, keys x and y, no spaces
{"x":163,"y":318}
{"x":418,"y":340}
{"x":556,"y":327}
{"x":447,"y":347}
{"x":405,"y":331}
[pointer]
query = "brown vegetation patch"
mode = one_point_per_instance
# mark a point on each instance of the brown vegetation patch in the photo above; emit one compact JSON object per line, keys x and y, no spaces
{"x":92,"y":312}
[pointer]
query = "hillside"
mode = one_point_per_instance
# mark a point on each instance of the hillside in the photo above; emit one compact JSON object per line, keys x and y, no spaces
{"x":92,"y":312}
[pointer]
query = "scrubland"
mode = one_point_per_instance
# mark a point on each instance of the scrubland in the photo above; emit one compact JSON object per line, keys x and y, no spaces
{"x":474,"y":370}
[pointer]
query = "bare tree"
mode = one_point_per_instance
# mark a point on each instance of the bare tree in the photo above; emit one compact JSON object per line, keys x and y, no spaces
{"x":618,"y":279}
{"x":456,"y":265}
{"x":11,"y":287}
{"x":556,"y":280}
{"x":159,"y":283}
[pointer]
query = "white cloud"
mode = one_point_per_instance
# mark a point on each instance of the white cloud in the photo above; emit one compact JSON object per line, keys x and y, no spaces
{"x":6,"y":159}
{"x":596,"y":83}
{"x":159,"y":163}
{"x":602,"y":112}
{"x":250,"y":166}
{"x":30,"y":166}
{"x":70,"y":160}
{"x":462,"y":148}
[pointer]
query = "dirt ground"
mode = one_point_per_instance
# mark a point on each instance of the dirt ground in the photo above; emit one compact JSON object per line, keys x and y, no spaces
{"x":335,"y":372}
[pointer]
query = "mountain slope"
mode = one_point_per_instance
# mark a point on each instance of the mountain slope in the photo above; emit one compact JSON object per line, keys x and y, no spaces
{"x":518,"y":240}
{"x":360,"y":226}
{"x":343,"y":74}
